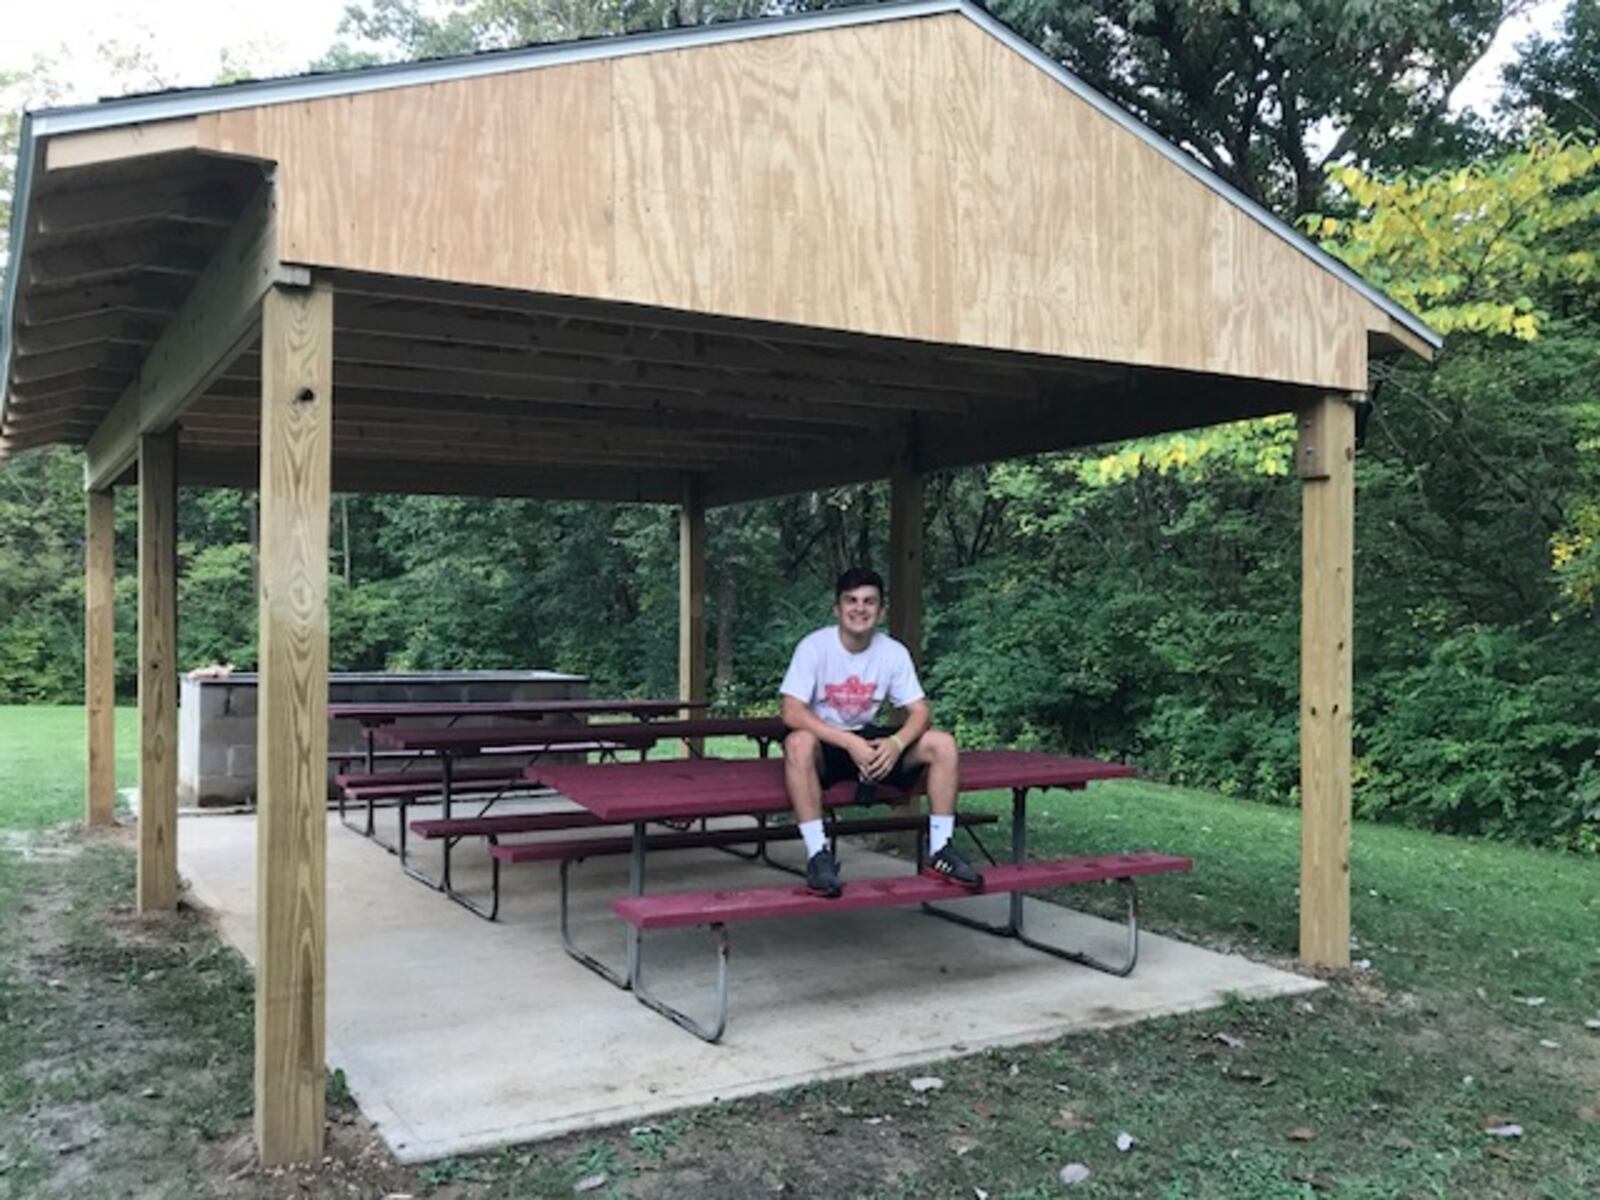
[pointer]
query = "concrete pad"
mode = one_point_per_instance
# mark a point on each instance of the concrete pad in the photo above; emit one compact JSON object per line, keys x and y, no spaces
{"x":456,"y":1034}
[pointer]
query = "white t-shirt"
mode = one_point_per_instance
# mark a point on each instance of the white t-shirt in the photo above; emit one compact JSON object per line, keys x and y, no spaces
{"x":844,"y":689}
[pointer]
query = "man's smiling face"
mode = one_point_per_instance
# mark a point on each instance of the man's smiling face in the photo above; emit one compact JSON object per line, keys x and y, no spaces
{"x":859,"y":610}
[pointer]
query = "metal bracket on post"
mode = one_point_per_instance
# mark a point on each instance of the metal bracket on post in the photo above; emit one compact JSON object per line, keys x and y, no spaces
{"x":1314,"y":449}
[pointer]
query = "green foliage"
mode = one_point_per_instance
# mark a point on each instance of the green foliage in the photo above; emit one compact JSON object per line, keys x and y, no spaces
{"x":401,"y":30}
{"x":41,"y":578}
{"x":1469,"y":248}
{"x":1496,"y":732}
{"x":1254,"y":89}
{"x":1556,"y":82}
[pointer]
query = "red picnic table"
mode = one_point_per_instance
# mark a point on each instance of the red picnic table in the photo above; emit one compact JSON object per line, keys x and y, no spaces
{"x":372,"y":715}
{"x":449,"y":744}
{"x":688,"y":790}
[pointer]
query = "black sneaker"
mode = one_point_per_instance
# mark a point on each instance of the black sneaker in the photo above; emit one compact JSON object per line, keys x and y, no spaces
{"x":822,"y":874}
{"x":948,"y":864}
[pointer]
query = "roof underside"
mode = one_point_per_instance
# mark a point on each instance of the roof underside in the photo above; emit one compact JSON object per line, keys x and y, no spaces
{"x":553,"y":389}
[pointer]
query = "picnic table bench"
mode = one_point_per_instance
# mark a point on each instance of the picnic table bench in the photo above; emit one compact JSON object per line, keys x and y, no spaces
{"x":450,"y":782}
{"x":406,"y":786}
{"x":641,"y":793}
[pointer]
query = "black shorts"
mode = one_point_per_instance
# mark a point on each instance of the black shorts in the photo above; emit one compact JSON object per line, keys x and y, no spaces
{"x":837,"y":765}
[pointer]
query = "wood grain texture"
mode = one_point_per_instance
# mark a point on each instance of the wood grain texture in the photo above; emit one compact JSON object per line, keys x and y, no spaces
{"x":99,"y":658}
{"x":1327,"y":604}
{"x":158,"y":673}
{"x":915,"y":178}
{"x":692,"y":590}
{"x":292,"y":729}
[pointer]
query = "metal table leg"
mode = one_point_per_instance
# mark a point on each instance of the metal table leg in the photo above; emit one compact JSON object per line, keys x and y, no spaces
{"x":446,"y":771}
{"x":1019,"y":849}
{"x":635,"y":888}
{"x":1019,"y":854}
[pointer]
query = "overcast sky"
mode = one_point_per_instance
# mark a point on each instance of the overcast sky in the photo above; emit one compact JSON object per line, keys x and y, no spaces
{"x":189,"y":42}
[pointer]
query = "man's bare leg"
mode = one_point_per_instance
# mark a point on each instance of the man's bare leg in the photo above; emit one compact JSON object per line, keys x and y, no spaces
{"x":802,"y":762}
{"x":802,"y":752}
{"x":936,"y":750}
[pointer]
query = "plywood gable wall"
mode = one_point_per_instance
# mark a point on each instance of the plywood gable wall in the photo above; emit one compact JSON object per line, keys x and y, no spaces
{"x":914,"y":178}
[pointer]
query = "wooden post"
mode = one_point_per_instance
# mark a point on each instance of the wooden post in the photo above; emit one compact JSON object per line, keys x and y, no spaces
{"x":692,"y":594}
{"x":292,"y":726}
{"x":1326,"y":463}
{"x":158,"y":672}
{"x":99,"y":658}
{"x":905,"y":554}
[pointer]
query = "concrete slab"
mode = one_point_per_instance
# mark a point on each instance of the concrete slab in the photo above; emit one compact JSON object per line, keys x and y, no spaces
{"x":458,"y":1035}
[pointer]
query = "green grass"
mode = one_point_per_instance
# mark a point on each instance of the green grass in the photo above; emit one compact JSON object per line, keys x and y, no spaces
{"x":42,"y":763}
{"x":1387,"y":1078}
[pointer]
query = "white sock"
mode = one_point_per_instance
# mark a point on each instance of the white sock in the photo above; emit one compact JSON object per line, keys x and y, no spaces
{"x":812,"y":832}
{"x":939,"y":831}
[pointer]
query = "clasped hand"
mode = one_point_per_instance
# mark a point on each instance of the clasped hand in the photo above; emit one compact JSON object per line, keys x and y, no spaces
{"x":875,"y":759}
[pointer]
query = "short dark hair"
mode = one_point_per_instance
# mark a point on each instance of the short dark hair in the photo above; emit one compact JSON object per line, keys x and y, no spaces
{"x":855,"y":577}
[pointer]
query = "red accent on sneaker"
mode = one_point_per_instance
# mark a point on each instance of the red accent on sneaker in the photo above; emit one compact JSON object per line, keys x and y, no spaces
{"x":932,"y":872}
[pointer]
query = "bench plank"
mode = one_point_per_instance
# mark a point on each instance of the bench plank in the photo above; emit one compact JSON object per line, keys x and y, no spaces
{"x":502,"y":823}
{"x":679,"y":909}
{"x":531,"y":852}
{"x":378,"y":779}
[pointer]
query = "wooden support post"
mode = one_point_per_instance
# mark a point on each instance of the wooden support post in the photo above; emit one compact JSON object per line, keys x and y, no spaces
{"x":692,"y":594}
{"x":905,"y":555}
{"x":158,"y":672}
{"x":292,"y":726}
{"x":1326,"y":463}
{"x":99,"y":658}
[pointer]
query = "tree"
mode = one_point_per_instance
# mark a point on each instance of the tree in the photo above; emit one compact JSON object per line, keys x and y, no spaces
{"x":391,"y":30}
{"x":1557,"y":80}
{"x":1268,"y":92}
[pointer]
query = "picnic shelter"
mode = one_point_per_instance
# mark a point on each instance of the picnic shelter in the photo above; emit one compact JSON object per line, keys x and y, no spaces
{"x":692,"y":268}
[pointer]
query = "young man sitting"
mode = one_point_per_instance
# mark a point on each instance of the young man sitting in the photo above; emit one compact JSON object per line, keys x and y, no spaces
{"x":837,"y":680}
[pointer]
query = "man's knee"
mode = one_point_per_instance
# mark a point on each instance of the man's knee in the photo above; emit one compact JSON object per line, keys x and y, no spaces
{"x":938,"y":747}
{"x":800,"y":747}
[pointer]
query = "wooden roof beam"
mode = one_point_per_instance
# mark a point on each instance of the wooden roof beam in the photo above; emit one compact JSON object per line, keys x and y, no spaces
{"x":68,"y":216}
{"x":113,"y":327}
{"x":159,"y":297}
{"x":380,"y":351}
{"x":99,"y":357}
{"x":199,"y":467}
{"x":70,"y":266}
{"x":493,"y":435}
{"x":722,"y":352}
{"x":352,"y":377}
{"x":551,"y":452}
{"x":375,"y":405}
{"x":220,"y":317}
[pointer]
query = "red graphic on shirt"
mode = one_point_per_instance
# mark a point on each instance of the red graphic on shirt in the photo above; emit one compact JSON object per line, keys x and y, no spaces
{"x":851,"y":699}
